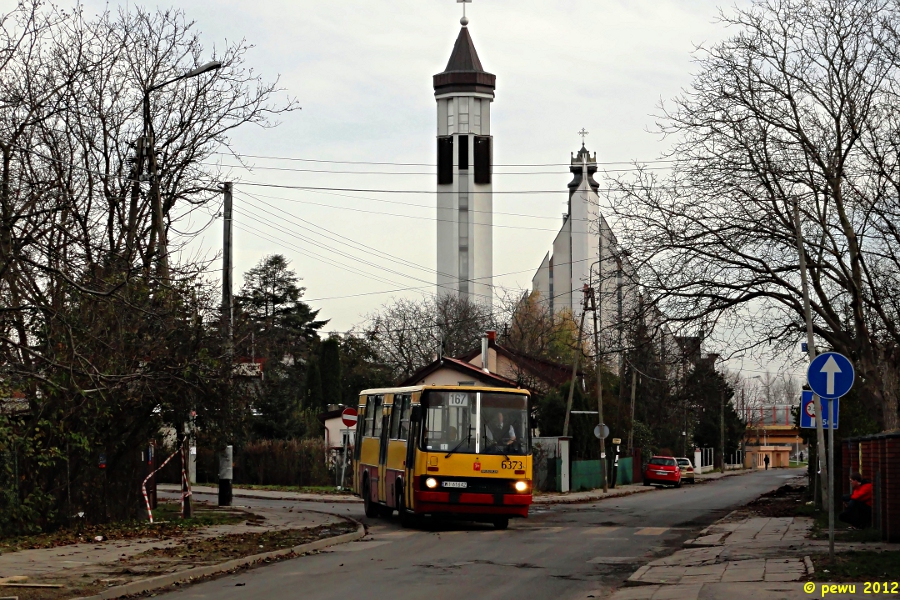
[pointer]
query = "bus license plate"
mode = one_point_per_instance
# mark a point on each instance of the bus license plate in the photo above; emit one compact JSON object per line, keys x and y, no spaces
{"x":454,"y":484}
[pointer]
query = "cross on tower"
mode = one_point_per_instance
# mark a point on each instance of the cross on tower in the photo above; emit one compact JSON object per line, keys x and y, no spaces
{"x":464,"y":21}
{"x":582,"y":133}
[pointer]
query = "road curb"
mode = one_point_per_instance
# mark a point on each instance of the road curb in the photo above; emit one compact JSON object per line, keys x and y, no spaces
{"x":810,"y":570}
{"x":188,"y":576}
{"x":320,"y":499}
{"x":566,"y":500}
{"x":291,"y":496}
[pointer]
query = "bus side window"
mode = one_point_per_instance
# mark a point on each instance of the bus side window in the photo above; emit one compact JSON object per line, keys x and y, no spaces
{"x":377,"y":416}
{"x":370,"y":415}
{"x":400,"y":418}
{"x":395,"y":417}
{"x":404,"y":418}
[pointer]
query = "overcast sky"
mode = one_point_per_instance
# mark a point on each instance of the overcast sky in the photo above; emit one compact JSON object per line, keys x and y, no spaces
{"x":362,"y":72}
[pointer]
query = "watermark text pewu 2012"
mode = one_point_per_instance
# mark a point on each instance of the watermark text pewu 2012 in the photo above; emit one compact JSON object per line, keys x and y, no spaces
{"x":874,"y":588}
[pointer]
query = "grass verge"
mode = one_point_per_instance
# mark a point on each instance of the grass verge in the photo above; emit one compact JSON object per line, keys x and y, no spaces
{"x":857,"y":566}
{"x":167,"y":523}
{"x":159,"y":561}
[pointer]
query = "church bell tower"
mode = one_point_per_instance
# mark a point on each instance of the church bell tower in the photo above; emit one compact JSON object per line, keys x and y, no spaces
{"x":464,"y":92}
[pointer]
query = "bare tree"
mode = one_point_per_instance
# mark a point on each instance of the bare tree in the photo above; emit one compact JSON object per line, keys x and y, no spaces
{"x":798,"y":109}
{"x":85,"y":334}
{"x":409,"y":334}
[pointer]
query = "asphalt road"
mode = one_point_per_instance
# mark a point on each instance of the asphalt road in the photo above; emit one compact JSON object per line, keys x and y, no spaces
{"x":562,"y":551}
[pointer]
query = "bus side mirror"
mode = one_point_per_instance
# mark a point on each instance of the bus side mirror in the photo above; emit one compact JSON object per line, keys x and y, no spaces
{"x":415,"y":416}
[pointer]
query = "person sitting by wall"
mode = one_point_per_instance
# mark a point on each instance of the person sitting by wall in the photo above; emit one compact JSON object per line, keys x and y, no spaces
{"x":859,"y":503}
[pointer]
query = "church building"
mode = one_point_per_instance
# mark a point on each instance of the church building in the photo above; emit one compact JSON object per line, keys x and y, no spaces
{"x":586,"y":253}
{"x":464,"y":92}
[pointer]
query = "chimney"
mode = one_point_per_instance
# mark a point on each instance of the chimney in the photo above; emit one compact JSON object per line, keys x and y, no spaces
{"x":489,"y":339}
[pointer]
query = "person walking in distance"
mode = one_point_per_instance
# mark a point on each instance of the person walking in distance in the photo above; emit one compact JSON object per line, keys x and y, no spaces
{"x":766,"y":460}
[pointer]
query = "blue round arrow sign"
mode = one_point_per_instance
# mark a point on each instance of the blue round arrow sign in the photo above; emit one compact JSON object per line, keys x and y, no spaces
{"x":830,"y":375}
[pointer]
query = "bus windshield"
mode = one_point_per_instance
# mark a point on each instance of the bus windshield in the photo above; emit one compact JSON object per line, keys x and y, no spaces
{"x":476,"y":422}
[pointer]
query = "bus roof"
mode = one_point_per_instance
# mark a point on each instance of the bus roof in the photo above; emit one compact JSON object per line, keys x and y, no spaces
{"x":420,"y":388}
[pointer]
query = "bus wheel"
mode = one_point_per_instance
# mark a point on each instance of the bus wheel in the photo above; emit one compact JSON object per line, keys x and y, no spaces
{"x":501,"y":523}
{"x":406,"y":519}
{"x":370,"y":508}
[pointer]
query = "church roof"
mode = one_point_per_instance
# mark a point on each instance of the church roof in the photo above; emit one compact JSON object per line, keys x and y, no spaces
{"x":576,"y":167}
{"x":464,"y":72}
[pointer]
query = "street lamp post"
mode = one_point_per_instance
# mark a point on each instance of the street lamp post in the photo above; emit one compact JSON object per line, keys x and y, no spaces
{"x":158,"y":231}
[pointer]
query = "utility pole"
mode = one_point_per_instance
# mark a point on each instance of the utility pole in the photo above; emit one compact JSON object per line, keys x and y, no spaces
{"x":722,"y":427}
{"x":137,"y":174}
{"x":585,"y":291}
{"x":226,"y":457}
{"x":631,"y":428}
{"x":811,"y":349}
{"x":158,"y":231}
{"x":597,"y":351}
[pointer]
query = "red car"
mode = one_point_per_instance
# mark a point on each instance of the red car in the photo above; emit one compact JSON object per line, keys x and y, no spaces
{"x":663,"y":470}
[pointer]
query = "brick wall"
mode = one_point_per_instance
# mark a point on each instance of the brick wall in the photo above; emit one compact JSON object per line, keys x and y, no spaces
{"x":881,"y":466}
{"x":891,"y":525}
{"x":846,"y":466}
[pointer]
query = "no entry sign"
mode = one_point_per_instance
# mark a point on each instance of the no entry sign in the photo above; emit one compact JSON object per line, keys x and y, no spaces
{"x":348,"y":416}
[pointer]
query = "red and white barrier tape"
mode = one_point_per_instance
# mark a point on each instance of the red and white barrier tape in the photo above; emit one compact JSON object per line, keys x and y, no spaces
{"x":185,"y":482}
{"x":144,"y":485}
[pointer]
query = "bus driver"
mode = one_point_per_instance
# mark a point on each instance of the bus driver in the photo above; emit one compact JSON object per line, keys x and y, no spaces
{"x":499,"y":434}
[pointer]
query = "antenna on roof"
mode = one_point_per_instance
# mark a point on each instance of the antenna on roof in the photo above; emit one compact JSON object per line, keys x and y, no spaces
{"x":464,"y":21}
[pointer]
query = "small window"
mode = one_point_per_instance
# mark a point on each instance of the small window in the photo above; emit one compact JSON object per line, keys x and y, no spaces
{"x":445,"y":160}
{"x":451,"y":120}
{"x":367,"y":419}
{"x":374,"y":416}
{"x":463,"y":115}
{"x":400,"y":417}
{"x":463,"y":158}
{"x":482,"y":159}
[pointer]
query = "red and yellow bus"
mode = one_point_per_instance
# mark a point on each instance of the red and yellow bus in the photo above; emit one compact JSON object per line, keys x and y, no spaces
{"x":446,"y":451}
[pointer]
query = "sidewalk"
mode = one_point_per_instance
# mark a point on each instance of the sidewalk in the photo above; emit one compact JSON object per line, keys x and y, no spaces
{"x":756,"y":557}
{"x":619,"y":490}
{"x":120,"y":567}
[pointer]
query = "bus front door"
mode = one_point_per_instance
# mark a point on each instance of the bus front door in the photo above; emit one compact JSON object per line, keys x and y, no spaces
{"x":382,"y":454}
{"x":415,"y":426}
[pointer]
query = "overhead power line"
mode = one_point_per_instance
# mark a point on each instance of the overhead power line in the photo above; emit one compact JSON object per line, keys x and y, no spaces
{"x":383,"y":191}
{"x":428,"y":173}
{"x":406,"y":164}
{"x":423,"y":218}
{"x":414,"y":205}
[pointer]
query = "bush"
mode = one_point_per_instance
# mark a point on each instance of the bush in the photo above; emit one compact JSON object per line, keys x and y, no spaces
{"x":266,"y":462}
{"x":282,"y":462}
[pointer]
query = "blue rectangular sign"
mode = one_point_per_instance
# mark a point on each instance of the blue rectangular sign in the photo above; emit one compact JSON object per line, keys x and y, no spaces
{"x":807,"y":421}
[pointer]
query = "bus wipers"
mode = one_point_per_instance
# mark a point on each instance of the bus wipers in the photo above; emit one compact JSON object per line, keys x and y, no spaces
{"x":458,"y":444}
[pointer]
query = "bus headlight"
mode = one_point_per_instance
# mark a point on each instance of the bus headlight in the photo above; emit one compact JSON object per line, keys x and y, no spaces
{"x":521,"y":486}
{"x":431,"y":482}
